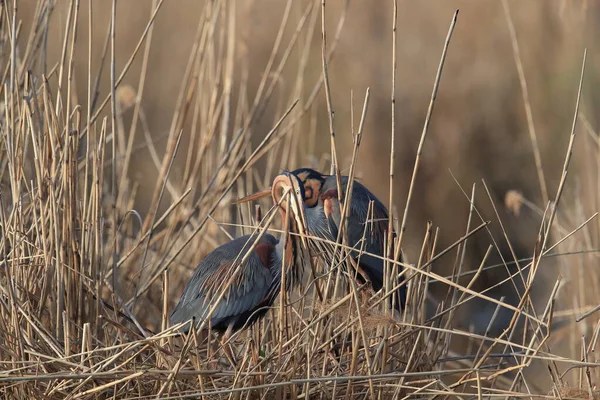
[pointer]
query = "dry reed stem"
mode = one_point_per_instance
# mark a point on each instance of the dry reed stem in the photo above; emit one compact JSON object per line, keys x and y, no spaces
{"x":526,"y":103}
{"x":436,"y":85}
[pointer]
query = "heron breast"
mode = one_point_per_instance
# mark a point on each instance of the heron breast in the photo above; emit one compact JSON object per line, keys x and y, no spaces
{"x":264,"y":251}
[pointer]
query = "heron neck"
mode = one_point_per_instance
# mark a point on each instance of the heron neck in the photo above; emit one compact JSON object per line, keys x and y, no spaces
{"x":289,"y":253}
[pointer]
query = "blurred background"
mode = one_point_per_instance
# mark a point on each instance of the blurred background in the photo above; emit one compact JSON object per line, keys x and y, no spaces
{"x":479,"y":129}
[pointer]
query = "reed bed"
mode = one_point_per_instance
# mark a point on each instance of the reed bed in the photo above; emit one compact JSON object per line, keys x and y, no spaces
{"x":87,"y":281}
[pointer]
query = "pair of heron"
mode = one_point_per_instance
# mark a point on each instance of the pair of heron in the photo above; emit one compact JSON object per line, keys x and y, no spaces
{"x":309,"y":201}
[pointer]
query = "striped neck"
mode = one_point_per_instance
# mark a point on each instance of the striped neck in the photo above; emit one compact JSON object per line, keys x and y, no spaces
{"x":291,"y":254}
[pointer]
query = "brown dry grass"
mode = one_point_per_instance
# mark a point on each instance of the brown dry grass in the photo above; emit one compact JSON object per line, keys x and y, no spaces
{"x":108,"y":204}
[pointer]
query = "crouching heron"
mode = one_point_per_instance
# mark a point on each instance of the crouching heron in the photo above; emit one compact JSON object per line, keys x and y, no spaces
{"x":258,"y":282}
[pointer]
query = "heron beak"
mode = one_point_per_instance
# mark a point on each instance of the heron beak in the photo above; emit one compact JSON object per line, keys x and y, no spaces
{"x":254,"y":196}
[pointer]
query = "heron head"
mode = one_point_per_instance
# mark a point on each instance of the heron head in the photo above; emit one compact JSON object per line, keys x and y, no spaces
{"x":313,"y":182}
{"x":287,"y":191}
{"x":286,"y":184}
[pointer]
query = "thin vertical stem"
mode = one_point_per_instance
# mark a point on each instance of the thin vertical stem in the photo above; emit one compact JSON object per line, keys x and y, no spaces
{"x":390,"y":238}
{"x":425,"y":129}
{"x":113,"y":105}
{"x":525,"y":93}
{"x":334,"y":164}
{"x":568,"y":156}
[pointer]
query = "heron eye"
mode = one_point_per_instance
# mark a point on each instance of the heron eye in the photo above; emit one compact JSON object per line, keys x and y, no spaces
{"x":307,"y":193}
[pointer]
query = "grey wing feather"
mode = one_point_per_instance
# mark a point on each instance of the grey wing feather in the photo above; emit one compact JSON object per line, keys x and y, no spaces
{"x":359,"y":215}
{"x":374,"y":231}
{"x":243,"y":295}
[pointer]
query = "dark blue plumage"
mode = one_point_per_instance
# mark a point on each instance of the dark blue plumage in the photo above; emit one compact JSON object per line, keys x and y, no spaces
{"x":323,"y":218}
{"x":244,"y":302}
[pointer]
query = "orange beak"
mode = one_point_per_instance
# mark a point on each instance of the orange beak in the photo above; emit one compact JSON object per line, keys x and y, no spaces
{"x":254,"y":196}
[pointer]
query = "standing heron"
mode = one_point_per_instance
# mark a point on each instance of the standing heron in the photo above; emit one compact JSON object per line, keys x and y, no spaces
{"x":258,"y":283}
{"x":323,"y":216}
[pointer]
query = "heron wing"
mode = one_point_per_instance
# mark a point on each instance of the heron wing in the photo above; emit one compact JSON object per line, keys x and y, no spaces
{"x":244,"y":293}
{"x":377,"y":227}
{"x":370,"y":225}
{"x":360,"y":221}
